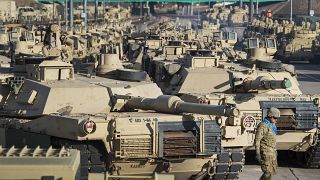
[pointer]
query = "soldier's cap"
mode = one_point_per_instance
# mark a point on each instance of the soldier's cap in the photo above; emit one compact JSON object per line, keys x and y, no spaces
{"x":273,"y":112}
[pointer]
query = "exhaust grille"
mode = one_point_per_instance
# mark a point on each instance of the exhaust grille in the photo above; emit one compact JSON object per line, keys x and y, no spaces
{"x":135,"y":148}
{"x":179,"y":143}
{"x":295,"y":115}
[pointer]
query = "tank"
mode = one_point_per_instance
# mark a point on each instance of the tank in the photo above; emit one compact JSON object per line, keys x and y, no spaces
{"x":294,"y":41}
{"x":166,"y":8}
{"x":39,"y":44}
{"x":273,"y":85}
{"x":315,"y":51}
{"x":238,"y":17}
{"x":8,"y":12}
{"x":38,"y":13}
{"x":63,"y":163}
{"x":298,"y":47}
{"x":253,"y":85}
{"x":4,"y":40}
{"x":123,"y":128}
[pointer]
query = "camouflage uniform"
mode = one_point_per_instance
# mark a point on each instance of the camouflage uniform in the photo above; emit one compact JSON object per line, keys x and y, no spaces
{"x":265,"y":144}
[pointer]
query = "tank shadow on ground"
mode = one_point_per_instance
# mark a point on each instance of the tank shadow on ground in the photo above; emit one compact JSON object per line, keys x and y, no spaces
{"x":285,"y":159}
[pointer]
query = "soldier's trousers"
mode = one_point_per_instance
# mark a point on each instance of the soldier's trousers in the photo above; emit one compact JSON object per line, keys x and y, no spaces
{"x":268,"y":164}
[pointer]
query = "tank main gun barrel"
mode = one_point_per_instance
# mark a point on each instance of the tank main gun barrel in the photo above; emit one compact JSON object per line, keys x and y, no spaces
{"x":265,"y":83}
{"x":174,"y":105}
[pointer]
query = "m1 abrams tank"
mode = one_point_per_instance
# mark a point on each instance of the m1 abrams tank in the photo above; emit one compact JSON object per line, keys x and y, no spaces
{"x":98,"y":116}
{"x":299,"y":47}
{"x":238,"y":17}
{"x":4,"y":40}
{"x":316,"y":51}
{"x":272,"y":85}
{"x":253,"y":85}
{"x":166,"y":8}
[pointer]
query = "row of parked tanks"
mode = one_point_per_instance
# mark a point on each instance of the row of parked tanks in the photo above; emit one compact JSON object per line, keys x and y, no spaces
{"x":295,"y":41}
{"x":170,"y":102}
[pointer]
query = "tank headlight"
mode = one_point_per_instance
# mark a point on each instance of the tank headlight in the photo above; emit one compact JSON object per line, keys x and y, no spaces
{"x":88,"y":127}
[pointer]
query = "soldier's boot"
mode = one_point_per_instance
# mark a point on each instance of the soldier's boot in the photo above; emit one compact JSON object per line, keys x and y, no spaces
{"x":266,"y":176}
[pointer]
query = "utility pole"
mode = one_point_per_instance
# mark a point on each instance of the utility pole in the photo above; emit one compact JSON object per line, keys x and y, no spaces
{"x":141,"y":8}
{"x":191,"y":9}
{"x":257,"y":7}
{"x":85,"y":13}
{"x":71,"y":13}
{"x":96,"y":13}
{"x":104,"y":6}
{"x":66,"y":12}
{"x":290,"y":10}
{"x":310,"y":8}
{"x":148,"y":8}
{"x":198,"y":10}
{"x":251,"y":10}
{"x":53,"y":10}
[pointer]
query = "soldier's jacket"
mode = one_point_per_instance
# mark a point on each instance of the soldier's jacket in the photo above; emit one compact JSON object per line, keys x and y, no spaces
{"x":265,"y":140}
{"x":265,"y":144}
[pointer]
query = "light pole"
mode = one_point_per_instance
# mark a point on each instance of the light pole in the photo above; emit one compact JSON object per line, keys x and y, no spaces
{"x":191,"y":9}
{"x":257,"y":7}
{"x":53,"y":10}
{"x":310,"y":8}
{"x":198,"y":11}
{"x":141,"y":8}
{"x":71,"y":13}
{"x":96,"y":11}
{"x":290,"y":10}
{"x":85,"y":17}
{"x":66,"y":12}
{"x":251,"y":10}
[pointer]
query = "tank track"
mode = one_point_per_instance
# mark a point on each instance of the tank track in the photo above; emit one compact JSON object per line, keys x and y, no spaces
{"x":92,"y":155}
{"x":229,"y":165}
{"x":313,"y":160}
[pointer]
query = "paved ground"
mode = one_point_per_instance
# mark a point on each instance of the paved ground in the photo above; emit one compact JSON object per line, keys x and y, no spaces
{"x":253,"y":172}
{"x":309,"y":77}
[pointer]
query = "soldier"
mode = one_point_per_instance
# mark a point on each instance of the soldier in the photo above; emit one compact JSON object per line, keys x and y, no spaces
{"x":265,"y":144}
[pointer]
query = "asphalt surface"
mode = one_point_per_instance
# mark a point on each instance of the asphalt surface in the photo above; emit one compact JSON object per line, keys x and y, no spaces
{"x":309,"y":77}
{"x":253,"y":172}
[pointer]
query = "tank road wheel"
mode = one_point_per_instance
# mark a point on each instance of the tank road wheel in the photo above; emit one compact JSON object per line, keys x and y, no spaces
{"x":131,"y":75}
{"x":229,"y":164}
{"x":313,"y":154}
